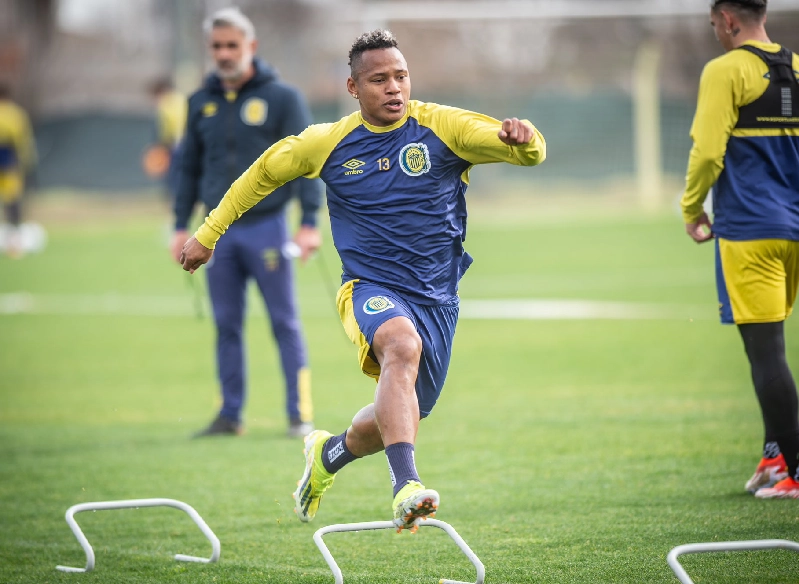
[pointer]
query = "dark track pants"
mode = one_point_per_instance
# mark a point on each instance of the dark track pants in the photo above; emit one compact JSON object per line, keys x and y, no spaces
{"x":252,"y":249}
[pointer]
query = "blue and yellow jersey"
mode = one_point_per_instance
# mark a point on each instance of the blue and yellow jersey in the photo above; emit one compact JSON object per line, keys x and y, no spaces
{"x":227,"y":131}
{"x":17,"y":146}
{"x":746,"y":146}
{"x":395,"y":194}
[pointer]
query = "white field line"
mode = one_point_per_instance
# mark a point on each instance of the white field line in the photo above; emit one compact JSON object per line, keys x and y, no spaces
{"x":515,"y":309}
{"x":540,"y":309}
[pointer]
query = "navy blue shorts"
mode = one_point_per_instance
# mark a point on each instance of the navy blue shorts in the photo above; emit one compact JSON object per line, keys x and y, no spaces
{"x":364,"y":306}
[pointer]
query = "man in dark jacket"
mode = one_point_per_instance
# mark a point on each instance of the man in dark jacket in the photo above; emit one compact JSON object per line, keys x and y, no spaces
{"x":241,"y":110}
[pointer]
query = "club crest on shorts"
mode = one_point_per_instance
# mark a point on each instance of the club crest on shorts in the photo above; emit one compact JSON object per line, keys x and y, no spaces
{"x":377,"y":304}
{"x":253,"y":112}
{"x":414,"y":159}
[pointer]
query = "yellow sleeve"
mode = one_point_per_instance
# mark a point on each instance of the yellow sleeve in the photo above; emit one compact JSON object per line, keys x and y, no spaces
{"x":290,"y":158}
{"x":473,"y":137}
{"x":715,"y":117}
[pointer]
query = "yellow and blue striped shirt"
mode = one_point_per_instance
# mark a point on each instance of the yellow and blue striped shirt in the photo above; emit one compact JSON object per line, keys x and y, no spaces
{"x":754,"y":171}
{"x":395,"y":194}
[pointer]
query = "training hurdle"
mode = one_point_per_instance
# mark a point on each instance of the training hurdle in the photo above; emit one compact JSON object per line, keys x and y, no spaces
{"x":723,"y":546}
{"x":372,"y":525}
{"x":135,"y":504}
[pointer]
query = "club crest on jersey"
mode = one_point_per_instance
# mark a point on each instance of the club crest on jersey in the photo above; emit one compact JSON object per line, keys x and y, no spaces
{"x":414,"y":159}
{"x":253,"y":111}
{"x":377,"y":304}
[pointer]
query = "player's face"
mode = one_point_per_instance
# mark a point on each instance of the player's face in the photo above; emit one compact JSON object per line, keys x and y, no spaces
{"x":383,"y":86}
{"x":231,"y":51}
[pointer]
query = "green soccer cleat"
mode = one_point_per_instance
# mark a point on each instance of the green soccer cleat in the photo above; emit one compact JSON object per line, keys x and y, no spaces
{"x":413,"y":503}
{"x":315,"y":480}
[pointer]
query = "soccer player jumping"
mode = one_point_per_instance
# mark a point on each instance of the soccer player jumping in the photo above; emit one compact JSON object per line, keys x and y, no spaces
{"x":746,"y":145}
{"x":396,"y":174}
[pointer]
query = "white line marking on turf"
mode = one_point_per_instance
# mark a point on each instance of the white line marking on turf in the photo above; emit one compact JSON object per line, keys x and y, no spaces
{"x":497,"y":309}
{"x":540,"y":309}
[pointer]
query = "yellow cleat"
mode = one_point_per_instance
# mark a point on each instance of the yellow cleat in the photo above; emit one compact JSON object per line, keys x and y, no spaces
{"x":412,"y":504}
{"x":315,"y":480}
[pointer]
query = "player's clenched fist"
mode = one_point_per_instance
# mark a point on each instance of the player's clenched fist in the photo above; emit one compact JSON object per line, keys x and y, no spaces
{"x":514,"y":132}
{"x":194,"y":255}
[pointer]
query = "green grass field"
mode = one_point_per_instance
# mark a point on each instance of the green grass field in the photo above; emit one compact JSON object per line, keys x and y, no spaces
{"x":569,"y":451}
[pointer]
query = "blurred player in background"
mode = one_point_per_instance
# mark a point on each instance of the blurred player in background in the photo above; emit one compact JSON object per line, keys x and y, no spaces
{"x":17,"y":163}
{"x":161,"y":160}
{"x":396,"y":174}
{"x":746,"y":145}
{"x":241,"y":110}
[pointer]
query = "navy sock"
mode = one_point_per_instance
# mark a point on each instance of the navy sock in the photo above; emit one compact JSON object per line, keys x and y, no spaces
{"x":335,"y":454}
{"x":401,"y":465}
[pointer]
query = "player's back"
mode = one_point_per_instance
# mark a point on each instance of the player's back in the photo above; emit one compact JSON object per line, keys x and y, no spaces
{"x":757,"y":193}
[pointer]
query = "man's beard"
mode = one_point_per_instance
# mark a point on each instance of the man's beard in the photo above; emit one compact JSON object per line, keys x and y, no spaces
{"x":233,"y":72}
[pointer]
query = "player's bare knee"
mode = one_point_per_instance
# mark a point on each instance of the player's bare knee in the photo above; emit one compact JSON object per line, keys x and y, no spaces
{"x":403,"y":350}
{"x":397,"y":343}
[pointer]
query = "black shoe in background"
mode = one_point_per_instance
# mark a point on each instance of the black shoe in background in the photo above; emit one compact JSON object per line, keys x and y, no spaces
{"x":221,"y":426}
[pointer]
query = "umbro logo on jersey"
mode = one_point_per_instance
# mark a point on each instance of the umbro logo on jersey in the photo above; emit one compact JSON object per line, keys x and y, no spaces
{"x":377,"y":304}
{"x":414,"y":159}
{"x":209,"y":109}
{"x":354,"y":166}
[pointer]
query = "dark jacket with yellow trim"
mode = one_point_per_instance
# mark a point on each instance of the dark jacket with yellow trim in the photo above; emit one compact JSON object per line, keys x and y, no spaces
{"x":226,"y":133}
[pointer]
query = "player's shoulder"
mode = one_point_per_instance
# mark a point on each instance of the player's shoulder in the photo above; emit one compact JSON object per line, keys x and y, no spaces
{"x":323,"y":138}
{"x":315,"y":143}
{"x":740,"y":59}
{"x":421,"y":110}
{"x":723,"y":64}
{"x":443,"y":120}
{"x":446,"y":120}
{"x":345,"y":124}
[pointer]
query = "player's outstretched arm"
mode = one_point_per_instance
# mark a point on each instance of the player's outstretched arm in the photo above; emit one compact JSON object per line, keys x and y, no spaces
{"x":194,"y":255}
{"x":515,"y":132}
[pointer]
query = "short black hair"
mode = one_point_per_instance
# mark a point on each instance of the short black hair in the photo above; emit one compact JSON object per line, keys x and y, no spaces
{"x":747,"y":9}
{"x":369,"y":41}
